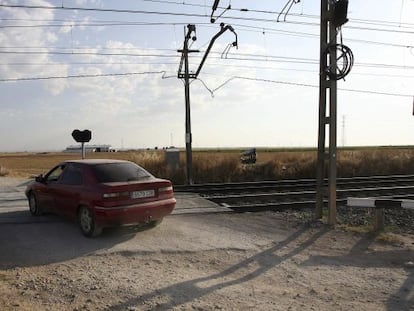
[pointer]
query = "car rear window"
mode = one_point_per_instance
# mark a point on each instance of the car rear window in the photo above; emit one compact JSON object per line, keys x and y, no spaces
{"x":119,"y":172}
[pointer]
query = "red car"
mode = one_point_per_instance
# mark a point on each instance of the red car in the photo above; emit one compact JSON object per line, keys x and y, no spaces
{"x":101,"y":193}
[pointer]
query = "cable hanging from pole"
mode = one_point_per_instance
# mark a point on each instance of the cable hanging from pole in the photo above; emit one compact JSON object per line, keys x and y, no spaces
{"x":344,"y":61}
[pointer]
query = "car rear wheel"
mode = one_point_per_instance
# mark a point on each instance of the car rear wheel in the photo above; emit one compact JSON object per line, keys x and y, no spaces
{"x":87,"y":223}
{"x":33,"y":206}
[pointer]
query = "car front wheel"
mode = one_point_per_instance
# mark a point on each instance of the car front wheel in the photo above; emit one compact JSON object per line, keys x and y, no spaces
{"x":33,"y":206}
{"x":87,"y":223}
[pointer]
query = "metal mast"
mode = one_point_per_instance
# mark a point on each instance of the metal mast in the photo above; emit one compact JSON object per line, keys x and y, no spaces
{"x":327,"y":119}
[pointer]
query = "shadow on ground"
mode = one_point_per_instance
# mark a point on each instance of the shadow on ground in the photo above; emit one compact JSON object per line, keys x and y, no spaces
{"x":361,"y":256}
{"x":49,"y":239}
{"x":237,"y":274}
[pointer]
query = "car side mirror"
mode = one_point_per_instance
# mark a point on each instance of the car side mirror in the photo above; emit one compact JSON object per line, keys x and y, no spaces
{"x":40,"y":178}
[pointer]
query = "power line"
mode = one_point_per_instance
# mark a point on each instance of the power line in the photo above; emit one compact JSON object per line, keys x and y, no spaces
{"x":88,"y":76}
{"x":83,"y":63}
{"x":174,"y":64}
{"x":130,"y":11}
{"x":189,"y":15}
{"x":96,"y":24}
{"x":248,"y":28}
{"x":232,"y":8}
{"x":256,"y":67}
{"x":86,"y":53}
{"x":234,"y":57}
{"x":398,"y":25}
{"x":212,"y":91}
{"x":305,"y":85}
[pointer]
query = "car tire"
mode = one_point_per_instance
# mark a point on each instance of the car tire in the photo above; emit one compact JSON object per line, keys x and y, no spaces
{"x":87,"y":222}
{"x":34,"y":207}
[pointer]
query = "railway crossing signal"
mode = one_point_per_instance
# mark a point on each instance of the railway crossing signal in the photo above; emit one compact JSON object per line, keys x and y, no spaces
{"x":82,"y":137}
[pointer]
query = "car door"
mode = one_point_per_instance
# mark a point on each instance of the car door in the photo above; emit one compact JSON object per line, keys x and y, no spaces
{"x":45,"y":192}
{"x":67,"y":190}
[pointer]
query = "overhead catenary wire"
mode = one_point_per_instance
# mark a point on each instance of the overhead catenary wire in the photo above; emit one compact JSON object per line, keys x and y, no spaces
{"x":233,"y":56}
{"x":212,"y":91}
{"x":242,"y":27}
{"x":271,"y":12}
{"x":164,"y":76}
{"x":256,"y":67}
{"x":193,"y":15}
{"x":230,"y":58}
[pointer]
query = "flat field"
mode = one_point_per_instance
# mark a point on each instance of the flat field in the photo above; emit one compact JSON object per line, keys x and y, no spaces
{"x":223,"y":165}
{"x":27,"y":164}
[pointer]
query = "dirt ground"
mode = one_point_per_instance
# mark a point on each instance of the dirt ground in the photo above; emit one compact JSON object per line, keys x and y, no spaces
{"x":260,"y":261}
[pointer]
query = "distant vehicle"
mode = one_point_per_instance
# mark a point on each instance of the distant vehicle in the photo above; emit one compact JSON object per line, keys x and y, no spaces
{"x":101,"y":193}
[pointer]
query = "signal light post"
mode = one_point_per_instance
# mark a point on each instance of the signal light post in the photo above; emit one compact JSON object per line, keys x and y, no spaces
{"x":82,"y":137}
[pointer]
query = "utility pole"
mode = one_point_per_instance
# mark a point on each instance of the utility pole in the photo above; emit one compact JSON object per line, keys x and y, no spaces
{"x":333,"y":16}
{"x":327,"y":93}
{"x":186,"y":76}
{"x":343,"y":130}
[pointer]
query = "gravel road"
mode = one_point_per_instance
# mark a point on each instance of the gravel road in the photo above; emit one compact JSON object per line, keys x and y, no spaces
{"x":200,"y":261}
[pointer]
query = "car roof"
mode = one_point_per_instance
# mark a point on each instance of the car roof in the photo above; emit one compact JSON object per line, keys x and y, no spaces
{"x":96,"y":161}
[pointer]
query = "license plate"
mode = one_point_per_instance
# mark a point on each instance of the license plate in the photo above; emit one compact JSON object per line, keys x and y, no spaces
{"x":142,"y":194}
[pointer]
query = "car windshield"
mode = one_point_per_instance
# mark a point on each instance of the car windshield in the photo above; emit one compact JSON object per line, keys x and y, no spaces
{"x":119,"y":172}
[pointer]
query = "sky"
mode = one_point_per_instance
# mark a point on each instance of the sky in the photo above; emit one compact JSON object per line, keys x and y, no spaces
{"x":111,"y":67}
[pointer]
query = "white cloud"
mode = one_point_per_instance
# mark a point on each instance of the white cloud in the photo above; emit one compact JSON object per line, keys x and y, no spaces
{"x":30,"y":47}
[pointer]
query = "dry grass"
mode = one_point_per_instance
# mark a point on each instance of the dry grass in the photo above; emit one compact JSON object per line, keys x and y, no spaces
{"x":224,"y":165}
{"x":3,"y":171}
{"x":391,"y":238}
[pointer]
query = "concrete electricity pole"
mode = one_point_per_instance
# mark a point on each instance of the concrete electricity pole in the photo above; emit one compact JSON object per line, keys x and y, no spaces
{"x":327,"y":37}
{"x":333,"y":16}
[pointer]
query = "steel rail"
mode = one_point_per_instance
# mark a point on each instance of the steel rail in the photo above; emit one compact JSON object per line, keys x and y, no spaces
{"x":285,"y":194}
{"x":291,"y":183}
{"x":342,"y":192}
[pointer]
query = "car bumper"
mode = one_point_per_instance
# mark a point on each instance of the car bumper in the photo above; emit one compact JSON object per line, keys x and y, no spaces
{"x":133,"y":214}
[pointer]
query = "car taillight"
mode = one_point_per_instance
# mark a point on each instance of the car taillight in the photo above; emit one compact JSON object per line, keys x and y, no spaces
{"x":165,"y":189}
{"x":113,"y":195}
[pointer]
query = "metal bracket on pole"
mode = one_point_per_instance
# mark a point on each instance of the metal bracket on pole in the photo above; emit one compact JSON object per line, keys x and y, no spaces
{"x":223,"y":29}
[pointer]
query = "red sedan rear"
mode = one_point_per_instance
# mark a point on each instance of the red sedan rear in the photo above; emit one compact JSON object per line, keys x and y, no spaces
{"x":102,"y":193}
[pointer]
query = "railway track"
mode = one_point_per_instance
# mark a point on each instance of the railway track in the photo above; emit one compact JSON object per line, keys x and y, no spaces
{"x":286,"y":194}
